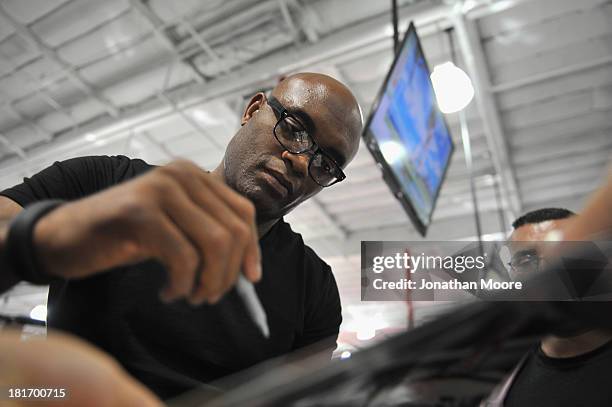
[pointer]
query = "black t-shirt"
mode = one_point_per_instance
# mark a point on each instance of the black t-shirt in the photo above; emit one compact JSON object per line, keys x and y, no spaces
{"x":120,"y":312}
{"x":581,"y":381}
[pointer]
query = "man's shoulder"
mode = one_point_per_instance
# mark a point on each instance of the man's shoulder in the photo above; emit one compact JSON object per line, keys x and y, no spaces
{"x":75,"y":178}
{"x":104,"y":170}
{"x":315,"y":259}
{"x":122,"y":166}
{"x":131,"y":167}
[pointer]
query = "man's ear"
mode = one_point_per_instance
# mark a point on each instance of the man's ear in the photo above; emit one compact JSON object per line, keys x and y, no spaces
{"x":254,"y":105}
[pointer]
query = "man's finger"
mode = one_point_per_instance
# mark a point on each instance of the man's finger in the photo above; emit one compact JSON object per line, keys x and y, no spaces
{"x":165,"y":241}
{"x":241,"y":236}
{"x":210,"y":238}
{"x":210,"y":284}
{"x":246,"y":210}
{"x":224,"y":204}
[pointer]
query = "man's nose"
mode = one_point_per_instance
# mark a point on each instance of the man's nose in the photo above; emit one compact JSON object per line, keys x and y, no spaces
{"x":298,"y":162}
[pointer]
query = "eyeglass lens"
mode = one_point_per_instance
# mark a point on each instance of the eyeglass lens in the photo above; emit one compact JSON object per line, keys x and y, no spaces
{"x":295,"y":139}
{"x":526,"y":264}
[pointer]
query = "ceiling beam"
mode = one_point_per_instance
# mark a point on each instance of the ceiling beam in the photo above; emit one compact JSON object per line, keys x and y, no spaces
{"x":473,"y":55}
{"x":70,"y":72}
{"x":39,"y":89}
{"x":291,"y":25}
{"x":35,"y":126}
{"x":12,"y":147}
{"x":190,"y":120}
{"x":553,"y":74}
{"x":199,"y":39}
{"x":238,"y":19}
{"x":157,"y":25}
{"x":308,"y":20}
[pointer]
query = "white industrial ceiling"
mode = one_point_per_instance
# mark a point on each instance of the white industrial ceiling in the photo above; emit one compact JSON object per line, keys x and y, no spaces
{"x":163,"y":79}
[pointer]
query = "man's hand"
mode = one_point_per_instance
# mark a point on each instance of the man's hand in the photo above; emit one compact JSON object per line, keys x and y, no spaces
{"x":89,"y":377}
{"x":200,"y":229}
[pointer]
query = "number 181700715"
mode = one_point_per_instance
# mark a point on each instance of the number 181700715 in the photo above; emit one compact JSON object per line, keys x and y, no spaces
{"x":34,"y":393}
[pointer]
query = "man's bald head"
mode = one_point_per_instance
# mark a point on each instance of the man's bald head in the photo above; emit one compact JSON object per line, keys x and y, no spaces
{"x":254,"y":156}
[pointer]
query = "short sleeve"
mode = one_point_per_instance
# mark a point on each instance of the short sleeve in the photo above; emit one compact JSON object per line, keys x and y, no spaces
{"x":323,"y":312}
{"x":75,"y":178}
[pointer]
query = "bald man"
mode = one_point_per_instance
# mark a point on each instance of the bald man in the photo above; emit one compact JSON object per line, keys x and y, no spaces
{"x":141,"y":260}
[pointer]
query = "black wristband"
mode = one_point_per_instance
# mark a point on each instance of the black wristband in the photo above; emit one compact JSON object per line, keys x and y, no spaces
{"x":20,"y":250}
{"x":8,"y":278}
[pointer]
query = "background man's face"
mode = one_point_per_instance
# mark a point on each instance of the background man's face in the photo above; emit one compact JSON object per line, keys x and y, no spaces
{"x":528,"y":242}
{"x":257,"y":166}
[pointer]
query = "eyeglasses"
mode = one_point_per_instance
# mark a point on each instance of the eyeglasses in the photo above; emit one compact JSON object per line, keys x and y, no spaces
{"x":528,"y":263}
{"x":293,"y":137}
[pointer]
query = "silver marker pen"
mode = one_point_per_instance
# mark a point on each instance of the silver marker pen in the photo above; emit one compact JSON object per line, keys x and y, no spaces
{"x":247,"y":292}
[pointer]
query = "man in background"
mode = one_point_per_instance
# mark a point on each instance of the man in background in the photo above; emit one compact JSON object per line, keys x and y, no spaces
{"x":570,"y":367}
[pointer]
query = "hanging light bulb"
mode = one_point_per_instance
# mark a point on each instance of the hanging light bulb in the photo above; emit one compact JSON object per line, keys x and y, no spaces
{"x":453,"y":87}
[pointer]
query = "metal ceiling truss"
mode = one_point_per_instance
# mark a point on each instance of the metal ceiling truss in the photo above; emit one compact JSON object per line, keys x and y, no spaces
{"x":70,"y":72}
{"x":35,"y":126}
{"x":12,"y":147}
{"x":190,"y":120}
{"x":39,"y":89}
{"x":291,"y":25}
{"x":158,"y":26}
{"x":190,"y":47}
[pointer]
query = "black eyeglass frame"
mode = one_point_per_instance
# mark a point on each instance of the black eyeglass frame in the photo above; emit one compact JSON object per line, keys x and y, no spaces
{"x":314,"y":149}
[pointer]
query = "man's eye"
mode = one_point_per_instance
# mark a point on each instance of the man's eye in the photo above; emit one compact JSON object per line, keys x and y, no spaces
{"x":300,"y":135}
{"x":327,"y":167}
{"x":526,"y":260}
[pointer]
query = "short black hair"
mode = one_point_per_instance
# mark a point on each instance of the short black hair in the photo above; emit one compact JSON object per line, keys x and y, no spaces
{"x":542,"y":215}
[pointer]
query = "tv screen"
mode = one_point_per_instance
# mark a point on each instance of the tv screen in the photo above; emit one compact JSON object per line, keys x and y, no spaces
{"x":408,"y":135}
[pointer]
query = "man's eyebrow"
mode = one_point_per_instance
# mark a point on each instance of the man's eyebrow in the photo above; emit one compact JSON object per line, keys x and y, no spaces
{"x":307,"y":121}
{"x":304,"y":118}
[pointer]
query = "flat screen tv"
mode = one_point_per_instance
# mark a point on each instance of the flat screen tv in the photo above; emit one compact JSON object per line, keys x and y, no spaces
{"x":408,"y":135}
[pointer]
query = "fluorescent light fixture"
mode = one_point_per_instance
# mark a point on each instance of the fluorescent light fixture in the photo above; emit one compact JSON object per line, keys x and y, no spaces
{"x":453,"y":87}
